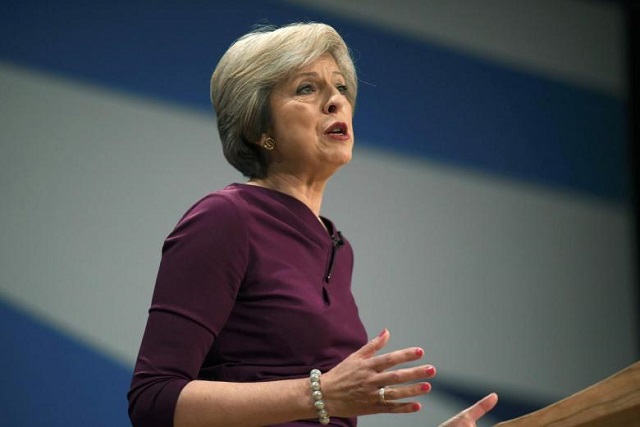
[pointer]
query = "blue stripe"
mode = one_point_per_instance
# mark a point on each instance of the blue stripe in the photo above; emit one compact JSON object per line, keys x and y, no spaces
{"x":422,"y":100}
{"x":454,"y":108}
{"x":51,"y":380}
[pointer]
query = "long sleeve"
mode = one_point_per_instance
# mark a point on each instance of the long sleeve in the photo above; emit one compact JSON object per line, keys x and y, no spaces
{"x":202,"y":266}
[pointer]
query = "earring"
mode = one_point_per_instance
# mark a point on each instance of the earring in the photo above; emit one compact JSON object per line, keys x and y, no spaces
{"x":269,"y":144}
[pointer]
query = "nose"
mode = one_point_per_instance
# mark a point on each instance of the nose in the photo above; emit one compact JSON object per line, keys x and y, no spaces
{"x":335,"y":101}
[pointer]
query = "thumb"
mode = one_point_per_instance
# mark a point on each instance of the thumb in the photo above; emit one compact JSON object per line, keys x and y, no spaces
{"x":484,"y":405}
{"x":474,"y":412}
{"x":376,"y":344}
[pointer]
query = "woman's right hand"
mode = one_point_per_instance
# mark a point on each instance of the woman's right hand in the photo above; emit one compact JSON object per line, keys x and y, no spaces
{"x":352,"y":388}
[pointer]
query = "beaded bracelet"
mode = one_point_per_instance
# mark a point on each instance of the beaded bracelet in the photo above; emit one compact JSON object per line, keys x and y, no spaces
{"x":318,"y":403}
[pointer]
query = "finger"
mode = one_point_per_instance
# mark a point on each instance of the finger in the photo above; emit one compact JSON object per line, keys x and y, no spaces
{"x":397,"y":393}
{"x":402,"y":407}
{"x":398,"y":357}
{"x":484,"y":405}
{"x":378,"y":343}
{"x":400,"y":376}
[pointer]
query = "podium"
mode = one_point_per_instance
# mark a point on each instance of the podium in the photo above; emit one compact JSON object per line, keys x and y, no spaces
{"x":613,"y":402}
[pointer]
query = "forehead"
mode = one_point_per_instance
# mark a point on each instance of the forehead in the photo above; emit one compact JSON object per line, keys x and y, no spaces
{"x":324,"y":64}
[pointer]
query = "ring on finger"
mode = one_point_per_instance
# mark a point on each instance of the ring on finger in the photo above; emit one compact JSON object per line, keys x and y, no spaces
{"x":381,"y":392}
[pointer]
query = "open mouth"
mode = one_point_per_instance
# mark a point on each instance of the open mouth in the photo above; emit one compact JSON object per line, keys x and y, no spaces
{"x":337,"y":129}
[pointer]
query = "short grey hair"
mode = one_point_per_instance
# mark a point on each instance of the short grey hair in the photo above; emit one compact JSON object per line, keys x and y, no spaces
{"x":246,"y":74}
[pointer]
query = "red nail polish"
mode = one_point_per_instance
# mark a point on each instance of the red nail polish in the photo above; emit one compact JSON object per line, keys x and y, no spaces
{"x":431,"y":371}
{"x":425,"y":387}
{"x":382,"y":332}
{"x":419,"y":352}
{"x":416,"y":407}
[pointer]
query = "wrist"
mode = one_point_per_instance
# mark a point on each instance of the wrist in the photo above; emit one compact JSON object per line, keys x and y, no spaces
{"x":315,"y":385}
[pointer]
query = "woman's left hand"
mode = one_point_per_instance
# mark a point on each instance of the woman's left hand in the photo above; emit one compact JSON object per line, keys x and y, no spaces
{"x":473,"y":413}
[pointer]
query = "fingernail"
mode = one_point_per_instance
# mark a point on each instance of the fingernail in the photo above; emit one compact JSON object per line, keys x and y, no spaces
{"x":416,"y":407}
{"x":419,"y":352}
{"x":382,"y":332}
{"x":425,"y":387}
{"x":431,"y":370}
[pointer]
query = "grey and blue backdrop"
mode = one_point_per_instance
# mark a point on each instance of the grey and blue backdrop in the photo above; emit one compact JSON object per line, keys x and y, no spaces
{"x":488,"y":200}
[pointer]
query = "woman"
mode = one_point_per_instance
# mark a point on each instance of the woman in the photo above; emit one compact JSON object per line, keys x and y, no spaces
{"x":252,"y":321}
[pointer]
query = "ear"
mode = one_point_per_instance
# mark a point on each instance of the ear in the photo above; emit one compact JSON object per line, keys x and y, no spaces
{"x":261,"y":140}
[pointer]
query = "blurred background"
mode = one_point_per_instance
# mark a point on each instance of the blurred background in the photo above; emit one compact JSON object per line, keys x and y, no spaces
{"x":489,"y":201}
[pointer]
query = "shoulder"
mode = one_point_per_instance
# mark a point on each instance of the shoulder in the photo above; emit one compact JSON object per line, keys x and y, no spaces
{"x":222,"y":205}
{"x":216,"y":217}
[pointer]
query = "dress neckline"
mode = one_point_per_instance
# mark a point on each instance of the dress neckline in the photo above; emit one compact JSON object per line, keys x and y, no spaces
{"x":325,"y":224}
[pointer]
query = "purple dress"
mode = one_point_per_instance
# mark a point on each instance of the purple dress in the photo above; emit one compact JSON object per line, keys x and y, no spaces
{"x":251,"y":287}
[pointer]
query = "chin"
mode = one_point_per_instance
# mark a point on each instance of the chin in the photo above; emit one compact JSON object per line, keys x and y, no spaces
{"x":340,"y":157}
{"x":343,"y":161}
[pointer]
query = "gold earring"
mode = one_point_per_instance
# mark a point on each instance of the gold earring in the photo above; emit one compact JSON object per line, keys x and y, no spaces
{"x":269,"y":144}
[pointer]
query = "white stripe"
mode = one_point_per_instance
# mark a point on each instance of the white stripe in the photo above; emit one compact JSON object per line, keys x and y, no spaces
{"x":89,"y":192}
{"x":581,"y":42}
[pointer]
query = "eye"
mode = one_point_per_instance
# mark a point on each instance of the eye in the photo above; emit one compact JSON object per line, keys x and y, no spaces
{"x":305,"y":89}
{"x":343,"y":89}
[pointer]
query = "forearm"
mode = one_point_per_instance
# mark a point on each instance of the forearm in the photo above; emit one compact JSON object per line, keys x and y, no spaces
{"x":214,"y":403}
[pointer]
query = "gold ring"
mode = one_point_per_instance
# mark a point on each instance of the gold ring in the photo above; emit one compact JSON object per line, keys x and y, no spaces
{"x":381,"y":391}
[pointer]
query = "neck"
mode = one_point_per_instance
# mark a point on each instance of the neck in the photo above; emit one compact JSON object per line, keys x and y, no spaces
{"x":309,"y":193}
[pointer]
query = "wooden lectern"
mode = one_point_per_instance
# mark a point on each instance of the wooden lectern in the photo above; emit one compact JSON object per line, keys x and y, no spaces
{"x":613,"y":402}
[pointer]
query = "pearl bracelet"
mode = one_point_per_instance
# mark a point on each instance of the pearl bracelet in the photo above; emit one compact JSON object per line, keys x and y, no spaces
{"x":318,"y":403}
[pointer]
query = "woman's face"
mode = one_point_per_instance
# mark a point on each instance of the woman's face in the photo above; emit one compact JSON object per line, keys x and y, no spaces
{"x":311,"y":121}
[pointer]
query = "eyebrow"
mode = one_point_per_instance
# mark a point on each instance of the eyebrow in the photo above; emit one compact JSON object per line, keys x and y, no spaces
{"x":315,"y":74}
